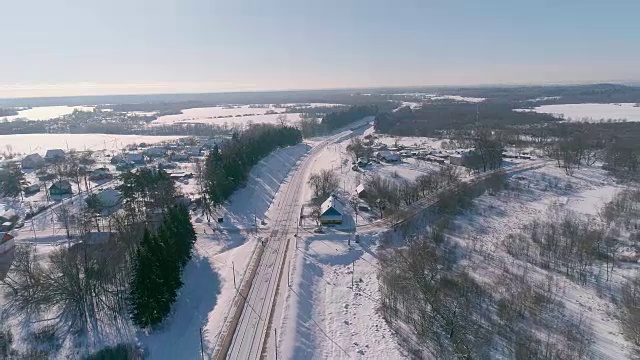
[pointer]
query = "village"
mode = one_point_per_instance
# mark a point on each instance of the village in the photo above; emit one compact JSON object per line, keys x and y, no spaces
{"x":52,"y":180}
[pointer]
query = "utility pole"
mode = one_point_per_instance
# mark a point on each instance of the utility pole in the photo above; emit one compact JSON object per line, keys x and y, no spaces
{"x":233,"y":268}
{"x":353,"y":270}
{"x":275,"y":339}
{"x":201,"y":345}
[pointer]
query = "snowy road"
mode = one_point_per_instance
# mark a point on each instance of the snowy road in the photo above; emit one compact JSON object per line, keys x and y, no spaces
{"x":253,"y":326}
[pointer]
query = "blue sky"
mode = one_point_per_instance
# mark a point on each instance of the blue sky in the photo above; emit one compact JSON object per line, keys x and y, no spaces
{"x":73,"y":47}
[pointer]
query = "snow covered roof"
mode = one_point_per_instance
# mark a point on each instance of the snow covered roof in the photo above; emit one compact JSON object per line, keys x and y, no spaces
{"x":360,"y":188}
{"x":61,"y":184}
{"x":7,"y":212}
{"x":331,"y":203}
{"x":109,"y":197}
{"x":54,"y":154}
{"x":31,"y":158}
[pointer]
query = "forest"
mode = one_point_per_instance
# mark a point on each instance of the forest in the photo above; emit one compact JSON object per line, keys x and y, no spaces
{"x":440,"y":117}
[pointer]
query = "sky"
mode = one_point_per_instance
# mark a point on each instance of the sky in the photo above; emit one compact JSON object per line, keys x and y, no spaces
{"x":91,"y":47}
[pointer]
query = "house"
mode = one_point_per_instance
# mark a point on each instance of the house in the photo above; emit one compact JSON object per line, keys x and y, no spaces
{"x":116,"y":159}
{"x":102,"y":173}
{"x":109,"y":200}
{"x":331,"y":211}
{"x":125,"y":166}
{"x":33,"y":161}
{"x":54,"y":154}
{"x":135,"y":158}
{"x":360,"y":191}
{"x":155,"y":151}
{"x":163,"y":164}
{"x":388,"y":156}
{"x":194,"y":150}
{"x":61,"y":187}
{"x":31,"y":189}
{"x":180,"y":157}
{"x":7,"y":243}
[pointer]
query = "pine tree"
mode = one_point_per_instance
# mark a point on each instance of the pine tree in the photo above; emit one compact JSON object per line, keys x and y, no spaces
{"x":146,"y":286}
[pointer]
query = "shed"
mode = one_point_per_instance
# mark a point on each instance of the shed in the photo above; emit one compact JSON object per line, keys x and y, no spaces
{"x":31,"y":189}
{"x":331,"y":211}
{"x":54,"y":154}
{"x":33,"y":161}
{"x":61,"y":187}
{"x":361,"y":191}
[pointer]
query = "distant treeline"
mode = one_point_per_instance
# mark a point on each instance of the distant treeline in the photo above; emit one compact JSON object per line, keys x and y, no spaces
{"x":227,"y":166}
{"x":440,"y":117}
{"x":113,"y":128}
{"x":338,"y":119}
{"x":8,"y":112}
{"x":556,"y":94}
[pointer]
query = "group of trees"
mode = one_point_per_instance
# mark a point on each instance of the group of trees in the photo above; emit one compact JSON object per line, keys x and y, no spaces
{"x":442,"y":117}
{"x":157,"y":267}
{"x":441,"y":310}
{"x":565,"y":243}
{"x":388,"y":195}
{"x":446,"y":310}
{"x":338,"y":119}
{"x":487,"y":151}
{"x":324,"y":183}
{"x":12,"y":180}
{"x":227,"y":166}
{"x":146,"y":192}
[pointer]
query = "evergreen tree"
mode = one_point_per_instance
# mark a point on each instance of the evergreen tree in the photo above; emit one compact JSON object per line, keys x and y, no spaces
{"x":146,"y":285}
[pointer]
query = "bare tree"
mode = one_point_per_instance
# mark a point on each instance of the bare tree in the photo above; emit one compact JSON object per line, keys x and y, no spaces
{"x":324,"y":183}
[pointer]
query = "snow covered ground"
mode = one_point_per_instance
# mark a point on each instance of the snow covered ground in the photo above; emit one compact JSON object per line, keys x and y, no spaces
{"x":591,"y":112}
{"x":538,"y":194}
{"x":30,"y":143}
{"x":331,"y":306}
{"x":236,"y":115}
{"x":46,"y":112}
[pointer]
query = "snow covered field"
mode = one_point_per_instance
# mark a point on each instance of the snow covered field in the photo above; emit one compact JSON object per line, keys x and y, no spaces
{"x":592,"y":112}
{"x":46,"y":112}
{"x":30,"y":143}
{"x":237,"y":115}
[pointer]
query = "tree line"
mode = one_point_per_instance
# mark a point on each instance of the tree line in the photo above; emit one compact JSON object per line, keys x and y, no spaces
{"x":338,"y":119}
{"x":227,"y":166}
{"x":441,"y":117}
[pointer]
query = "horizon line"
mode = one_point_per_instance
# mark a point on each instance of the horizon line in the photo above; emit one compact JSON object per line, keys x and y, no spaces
{"x":630,"y":83}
